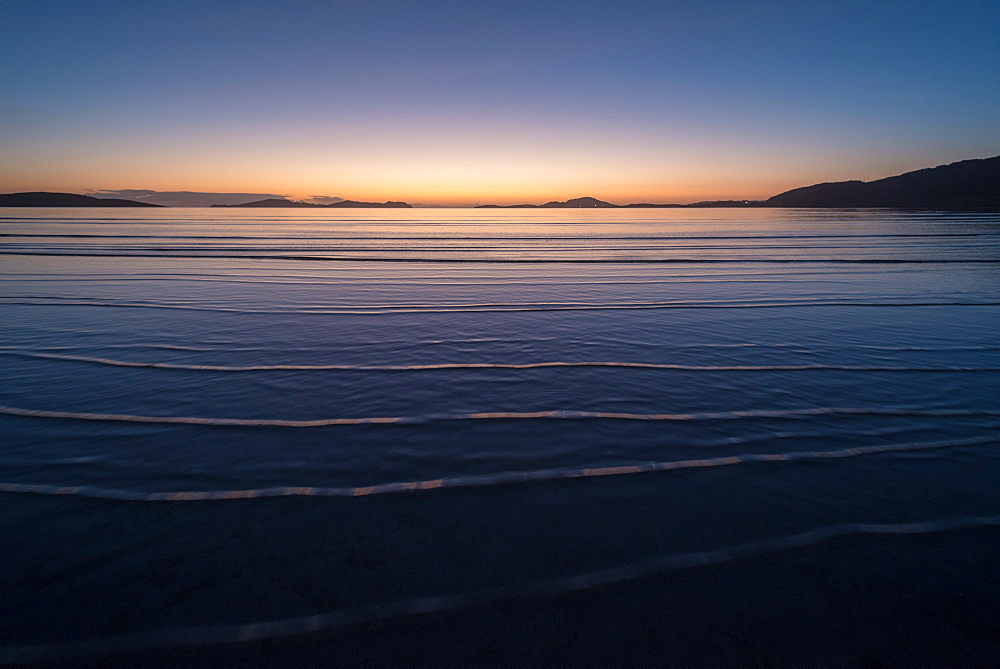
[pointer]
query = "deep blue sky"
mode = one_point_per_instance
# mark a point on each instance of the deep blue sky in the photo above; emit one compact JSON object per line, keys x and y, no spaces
{"x":492,"y":101}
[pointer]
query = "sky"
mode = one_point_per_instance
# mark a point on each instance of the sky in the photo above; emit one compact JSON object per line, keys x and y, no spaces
{"x":491,"y":101}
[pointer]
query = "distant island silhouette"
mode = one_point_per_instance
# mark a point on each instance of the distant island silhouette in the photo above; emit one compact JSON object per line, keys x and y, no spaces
{"x":591,"y":202}
{"x":964,"y":184}
{"x":343,"y":204}
{"x":43,"y":199}
{"x":575,"y":202}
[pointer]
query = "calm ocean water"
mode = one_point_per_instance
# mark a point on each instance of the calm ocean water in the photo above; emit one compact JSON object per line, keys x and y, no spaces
{"x":711,"y":436}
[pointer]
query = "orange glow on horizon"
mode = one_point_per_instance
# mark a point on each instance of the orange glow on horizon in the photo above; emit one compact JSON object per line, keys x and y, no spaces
{"x":417,"y":184}
{"x":428,"y":165}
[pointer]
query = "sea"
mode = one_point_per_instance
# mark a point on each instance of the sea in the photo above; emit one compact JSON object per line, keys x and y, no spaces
{"x":500,"y":437}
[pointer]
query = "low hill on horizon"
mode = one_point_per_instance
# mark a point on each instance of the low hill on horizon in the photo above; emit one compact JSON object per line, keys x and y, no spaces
{"x":349,"y":204}
{"x":578,"y":202}
{"x":274,"y":203}
{"x":46,"y":199}
{"x":594,"y":203}
{"x":271,"y":203}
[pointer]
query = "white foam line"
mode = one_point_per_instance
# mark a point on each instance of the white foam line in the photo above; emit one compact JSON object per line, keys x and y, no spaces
{"x":219,"y":634}
{"x":490,"y":365}
{"x":478,"y":481}
{"x":497,"y":415}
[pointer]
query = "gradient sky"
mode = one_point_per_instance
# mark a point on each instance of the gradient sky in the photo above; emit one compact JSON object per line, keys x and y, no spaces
{"x":463,"y":102}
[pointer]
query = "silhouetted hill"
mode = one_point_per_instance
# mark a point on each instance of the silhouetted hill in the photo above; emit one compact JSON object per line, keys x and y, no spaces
{"x":579,"y":202}
{"x":568,"y":204}
{"x":42,"y":199}
{"x":725,"y":203}
{"x":270,"y":203}
{"x":587,"y":202}
{"x":350,"y":204}
{"x":274,"y":203}
{"x":968,"y":183}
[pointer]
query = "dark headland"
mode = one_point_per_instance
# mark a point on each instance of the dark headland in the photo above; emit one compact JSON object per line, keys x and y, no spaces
{"x":965,"y":184}
{"x":969,"y":183}
{"x":42,"y":199}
